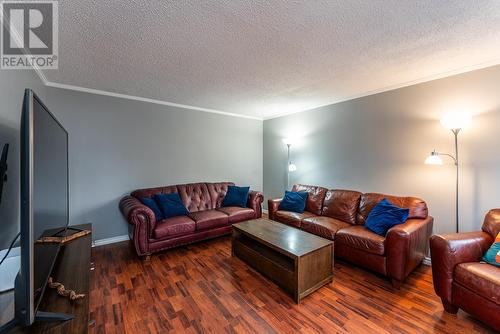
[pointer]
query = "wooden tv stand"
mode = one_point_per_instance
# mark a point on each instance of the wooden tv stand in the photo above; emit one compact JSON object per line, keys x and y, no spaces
{"x":72,"y":268}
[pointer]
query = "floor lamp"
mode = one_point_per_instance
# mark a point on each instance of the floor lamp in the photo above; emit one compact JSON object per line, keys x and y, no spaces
{"x":291,"y":166}
{"x":454,"y":122}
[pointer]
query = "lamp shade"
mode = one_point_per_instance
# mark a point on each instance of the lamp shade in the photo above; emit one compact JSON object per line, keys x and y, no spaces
{"x":292,"y":167}
{"x":434,"y":159}
{"x":457,"y":120}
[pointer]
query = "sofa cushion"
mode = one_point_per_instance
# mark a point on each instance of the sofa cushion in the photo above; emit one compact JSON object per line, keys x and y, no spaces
{"x":361,"y":238}
{"x":315,"y":197}
{"x":170,"y":205}
{"x":385,"y":215}
{"x":173,"y":227}
{"x":292,"y":218}
{"x":236,"y":196}
{"x":417,"y":207}
{"x":482,"y":278}
{"x":325,"y":227}
{"x":342,"y":205}
{"x":293,"y":201}
{"x":209,"y":219}
{"x":492,"y":255}
{"x":237,"y":214}
{"x":150,"y":203}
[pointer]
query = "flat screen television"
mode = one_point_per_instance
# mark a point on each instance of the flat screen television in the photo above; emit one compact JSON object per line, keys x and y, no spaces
{"x":44,"y":205}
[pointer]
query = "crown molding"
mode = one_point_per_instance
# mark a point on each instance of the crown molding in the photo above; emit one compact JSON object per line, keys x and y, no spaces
{"x":144,"y":99}
{"x":442,"y":75}
{"x":135,"y":98}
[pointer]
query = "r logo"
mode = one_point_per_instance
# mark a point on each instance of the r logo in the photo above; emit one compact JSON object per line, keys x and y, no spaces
{"x":32,"y":23}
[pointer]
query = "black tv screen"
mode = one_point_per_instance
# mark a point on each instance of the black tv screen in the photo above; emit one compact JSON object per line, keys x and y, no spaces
{"x":3,"y":168}
{"x":50,"y":185}
{"x":44,"y":201}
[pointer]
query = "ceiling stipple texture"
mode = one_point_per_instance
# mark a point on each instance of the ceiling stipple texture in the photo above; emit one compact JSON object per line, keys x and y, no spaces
{"x":262,"y":58}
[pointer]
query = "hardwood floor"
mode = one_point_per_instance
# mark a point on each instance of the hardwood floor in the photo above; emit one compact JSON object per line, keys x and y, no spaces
{"x":202,"y":289}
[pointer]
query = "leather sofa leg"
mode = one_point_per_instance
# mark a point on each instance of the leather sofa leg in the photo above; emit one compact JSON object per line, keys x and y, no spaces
{"x":396,"y":283}
{"x":449,"y":308}
{"x":146,"y":258}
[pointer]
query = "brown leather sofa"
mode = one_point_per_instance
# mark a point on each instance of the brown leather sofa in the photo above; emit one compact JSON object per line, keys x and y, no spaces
{"x":460,"y":279}
{"x":339,"y":215}
{"x":206,"y":219}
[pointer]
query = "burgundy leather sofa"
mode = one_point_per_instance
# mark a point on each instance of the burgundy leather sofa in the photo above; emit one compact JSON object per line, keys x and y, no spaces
{"x":339,"y":215}
{"x":206,"y":219}
{"x":460,"y":279}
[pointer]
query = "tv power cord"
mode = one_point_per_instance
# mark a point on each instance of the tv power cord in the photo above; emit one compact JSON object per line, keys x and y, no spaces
{"x":10,"y":248}
{"x":9,"y":325}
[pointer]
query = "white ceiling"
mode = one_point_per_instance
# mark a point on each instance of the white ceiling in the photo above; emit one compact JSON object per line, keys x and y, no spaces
{"x":263,"y":58}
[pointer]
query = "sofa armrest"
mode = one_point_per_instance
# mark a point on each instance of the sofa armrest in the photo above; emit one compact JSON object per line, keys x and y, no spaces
{"x":407,"y":244}
{"x":451,"y":249}
{"x":255,"y":199}
{"x":272,"y":206}
{"x":142,"y":218}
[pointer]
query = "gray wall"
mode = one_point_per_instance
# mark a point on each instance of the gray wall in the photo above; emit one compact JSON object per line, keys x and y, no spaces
{"x":118,"y":145}
{"x":379,"y":143}
{"x":375,"y":143}
{"x":12,"y":85}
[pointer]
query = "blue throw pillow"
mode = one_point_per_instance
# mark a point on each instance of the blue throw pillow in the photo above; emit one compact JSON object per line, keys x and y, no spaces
{"x":384,"y":216}
{"x":294,"y":201}
{"x":150,"y":203}
{"x":236,"y":196}
{"x":171,"y":205}
{"x":492,"y":256}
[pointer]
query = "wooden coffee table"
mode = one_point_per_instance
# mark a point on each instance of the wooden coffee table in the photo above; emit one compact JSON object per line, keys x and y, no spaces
{"x":297,"y":261}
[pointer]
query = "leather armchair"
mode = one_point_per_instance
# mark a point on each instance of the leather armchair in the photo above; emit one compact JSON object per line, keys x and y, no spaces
{"x":458,"y":255}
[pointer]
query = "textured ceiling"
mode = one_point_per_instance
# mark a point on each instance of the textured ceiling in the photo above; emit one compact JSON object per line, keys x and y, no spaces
{"x":262,"y":58}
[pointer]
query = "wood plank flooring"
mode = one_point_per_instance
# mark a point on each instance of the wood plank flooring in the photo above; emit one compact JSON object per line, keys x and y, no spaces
{"x":202,"y":289}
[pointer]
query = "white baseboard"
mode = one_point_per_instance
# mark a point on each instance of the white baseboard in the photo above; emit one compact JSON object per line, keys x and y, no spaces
{"x":112,"y":240}
{"x":266,"y":211}
{"x":426,"y":261}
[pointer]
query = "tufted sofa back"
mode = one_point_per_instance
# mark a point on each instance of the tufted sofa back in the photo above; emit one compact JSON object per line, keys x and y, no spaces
{"x":150,"y":192}
{"x":194,"y":196}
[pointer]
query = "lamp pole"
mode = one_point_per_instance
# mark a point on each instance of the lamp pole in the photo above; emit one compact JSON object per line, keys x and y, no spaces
{"x":455,"y":133}
{"x":455,"y":121}
{"x":455,"y":160}
{"x":288,"y":164}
